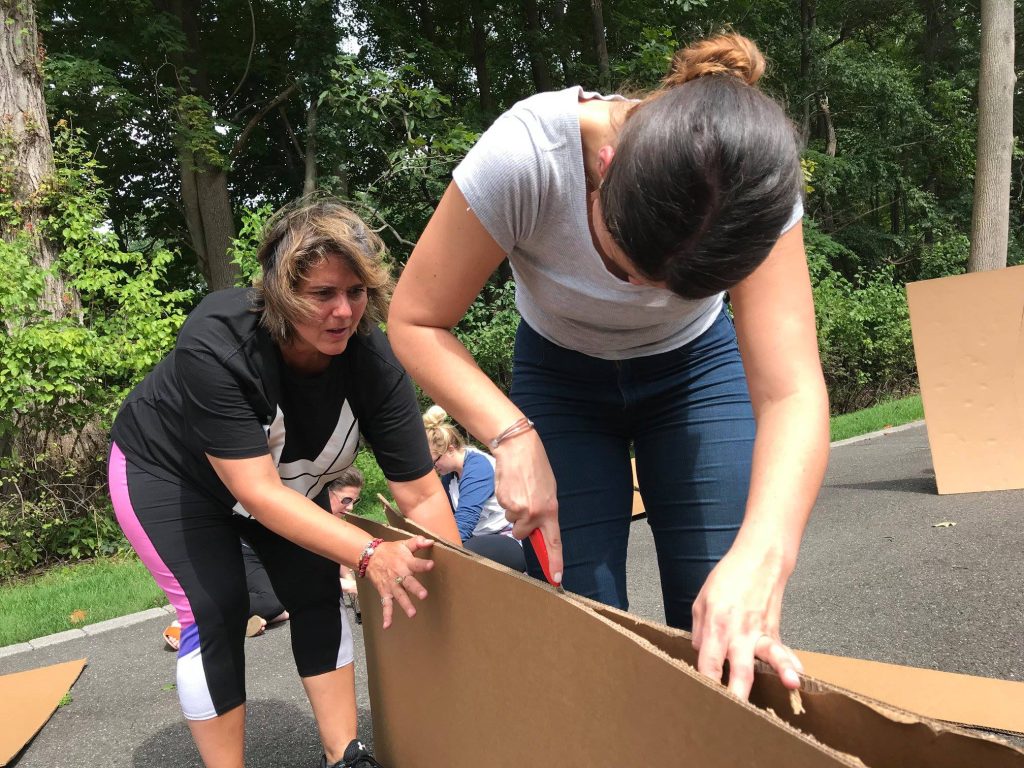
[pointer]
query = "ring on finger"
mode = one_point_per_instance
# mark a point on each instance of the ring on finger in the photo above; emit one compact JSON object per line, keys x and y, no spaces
{"x":399,"y":579}
{"x":384,"y":600}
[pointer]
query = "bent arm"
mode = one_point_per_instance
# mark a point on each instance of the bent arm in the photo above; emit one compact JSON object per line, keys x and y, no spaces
{"x":450,"y":264}
{"x":776,"y":331}
{"x":256,"y":484}
{"x":737,"y":614}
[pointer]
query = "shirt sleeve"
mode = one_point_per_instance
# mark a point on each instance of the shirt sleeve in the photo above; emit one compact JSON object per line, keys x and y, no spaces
{"x":502,"y":178}
{"x":795,"y":216}
{"x":223,"y":423}
{"x":476,"y":486}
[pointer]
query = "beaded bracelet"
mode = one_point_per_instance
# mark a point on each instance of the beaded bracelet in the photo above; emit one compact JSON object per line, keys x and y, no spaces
{"x":364,"y":558}
{"x":517,"y":428}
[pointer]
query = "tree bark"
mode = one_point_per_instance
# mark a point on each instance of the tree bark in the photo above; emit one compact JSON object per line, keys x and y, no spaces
{"x":808,"y":19}
{"x":601,"y":46}
{"x":309,"y":179}
{"x":479,"y":42}
{"x":204,"y":184}
{"x":535,"y":46}
{"x":990,"y":221}
{"x":26,"y":151}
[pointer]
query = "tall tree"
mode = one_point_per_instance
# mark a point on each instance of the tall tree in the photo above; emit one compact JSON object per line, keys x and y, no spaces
{"x":600,"y":45}
{"x":26,"y":152}
{"x":991,"y":218}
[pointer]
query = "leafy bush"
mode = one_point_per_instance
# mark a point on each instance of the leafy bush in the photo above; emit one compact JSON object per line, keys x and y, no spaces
{"x":863,"y":328}
{"x":489,"y":331}
{"x":61,"y":380}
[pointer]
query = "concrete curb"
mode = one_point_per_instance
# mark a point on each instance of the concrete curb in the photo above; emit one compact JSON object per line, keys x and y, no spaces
{"x":135,"y":618}
{"x":86,"y":631}
{"x":879,"y":433}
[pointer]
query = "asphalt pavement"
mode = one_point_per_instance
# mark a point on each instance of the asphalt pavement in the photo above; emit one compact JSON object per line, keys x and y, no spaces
{"x":879,"y":577}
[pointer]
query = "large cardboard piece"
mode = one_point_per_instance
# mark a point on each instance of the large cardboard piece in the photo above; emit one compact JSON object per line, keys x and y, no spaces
{"x":499,"y":670}
{"x":969,"y":342}
{"x":28,"y":700}
{"x":964,"y":699}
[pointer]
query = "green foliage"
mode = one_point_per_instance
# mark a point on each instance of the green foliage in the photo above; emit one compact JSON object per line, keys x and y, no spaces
{"x":245,"y":244}
{"x":374,"y":484}
{"x":489,"y":331}
{"x":863,"y":328}
{"x":61,"y":379}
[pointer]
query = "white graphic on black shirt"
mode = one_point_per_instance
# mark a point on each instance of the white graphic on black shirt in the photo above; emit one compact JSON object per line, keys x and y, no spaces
{"x":306,"y":476}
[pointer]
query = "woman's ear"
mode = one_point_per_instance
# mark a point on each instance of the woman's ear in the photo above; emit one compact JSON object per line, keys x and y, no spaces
{"x":604,"y":158}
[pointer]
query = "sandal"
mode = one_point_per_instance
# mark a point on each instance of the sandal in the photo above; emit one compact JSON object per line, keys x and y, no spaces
{"x":172,"y":635}
{"x":256,"y":625}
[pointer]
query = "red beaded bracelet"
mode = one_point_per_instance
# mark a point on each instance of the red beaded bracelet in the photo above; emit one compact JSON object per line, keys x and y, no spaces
{"x":364,"y":559}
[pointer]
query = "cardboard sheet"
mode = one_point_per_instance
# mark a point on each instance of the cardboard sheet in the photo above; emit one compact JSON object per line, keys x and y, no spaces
{"x":28,"y":700}
{"x":969,"y":342}
{"x":965,"y":699}
{"x":500,"y":670}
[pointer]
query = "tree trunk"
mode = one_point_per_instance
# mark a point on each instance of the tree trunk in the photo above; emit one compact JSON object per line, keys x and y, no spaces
{"x":483,"y":75}
{"x":601,"y":46}
{"x":990,"y":221}
{"x":204,"y":184}
{"x":26,"y":152}
{"x":535,"y":46}
{"x":808,"y":19}
{"x":210,"y":219}
{"x":309,"y":179}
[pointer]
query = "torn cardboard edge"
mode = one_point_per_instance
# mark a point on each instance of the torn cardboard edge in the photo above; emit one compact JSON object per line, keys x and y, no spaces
{"x":28,"y":700}
{"x":837,"y":720}
{"x":949,"y":697}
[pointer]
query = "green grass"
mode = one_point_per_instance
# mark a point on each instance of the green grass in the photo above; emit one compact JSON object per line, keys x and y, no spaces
{"x":881,"y":416}
{"x":73,"y":596}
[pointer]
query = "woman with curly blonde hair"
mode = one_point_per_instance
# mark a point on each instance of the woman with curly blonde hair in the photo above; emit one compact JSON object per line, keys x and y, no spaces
{"x":239,"y":431}
{"x":627,"y":223}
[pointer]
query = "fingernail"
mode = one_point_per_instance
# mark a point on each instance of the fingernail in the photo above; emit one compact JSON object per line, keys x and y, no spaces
{"x":791,"y":676}
{"x":557,"y":577}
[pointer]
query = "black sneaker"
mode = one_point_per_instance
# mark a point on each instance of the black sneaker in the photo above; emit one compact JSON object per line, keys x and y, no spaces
{"x":356,"y":756}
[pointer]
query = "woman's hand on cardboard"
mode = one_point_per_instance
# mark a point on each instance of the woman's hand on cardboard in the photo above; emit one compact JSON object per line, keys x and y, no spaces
{"x":393,"y":568}
{"x":736,"y":618}
{"x":525,"y":488}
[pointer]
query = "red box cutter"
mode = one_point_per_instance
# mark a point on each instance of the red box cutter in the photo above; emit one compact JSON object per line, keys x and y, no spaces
{"x":540,"y":549}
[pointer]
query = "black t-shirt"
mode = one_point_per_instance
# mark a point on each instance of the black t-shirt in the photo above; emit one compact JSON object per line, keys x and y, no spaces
{"x":225,"y":391}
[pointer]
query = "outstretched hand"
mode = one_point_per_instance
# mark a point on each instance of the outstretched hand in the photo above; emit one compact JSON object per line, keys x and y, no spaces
{"x":393,"y":568}
{"x":736,"y":618}
{"x":525,"y":488}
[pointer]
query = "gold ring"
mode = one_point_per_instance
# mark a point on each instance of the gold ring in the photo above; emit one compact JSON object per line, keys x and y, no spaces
{"x":399,"y":579}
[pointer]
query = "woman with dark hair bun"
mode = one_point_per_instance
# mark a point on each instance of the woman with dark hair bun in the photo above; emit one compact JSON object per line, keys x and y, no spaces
{"x":625,"y":223}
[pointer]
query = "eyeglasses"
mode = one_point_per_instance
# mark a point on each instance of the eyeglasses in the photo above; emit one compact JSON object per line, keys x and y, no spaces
{"x":348,"y":501}
{"x":437,"y":459}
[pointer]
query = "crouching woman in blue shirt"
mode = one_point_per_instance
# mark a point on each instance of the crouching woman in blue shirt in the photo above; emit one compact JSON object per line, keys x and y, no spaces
{"x":467,"y":475}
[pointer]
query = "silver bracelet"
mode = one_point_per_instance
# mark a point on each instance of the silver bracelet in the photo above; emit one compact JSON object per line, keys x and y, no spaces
{"x":517,"y":428}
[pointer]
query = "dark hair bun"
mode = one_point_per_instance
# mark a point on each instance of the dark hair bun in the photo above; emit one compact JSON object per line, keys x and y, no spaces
{"x":723,"y":55}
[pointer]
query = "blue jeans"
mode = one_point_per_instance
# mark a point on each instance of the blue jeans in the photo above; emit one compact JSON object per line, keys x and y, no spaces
{"x":687,"y":415}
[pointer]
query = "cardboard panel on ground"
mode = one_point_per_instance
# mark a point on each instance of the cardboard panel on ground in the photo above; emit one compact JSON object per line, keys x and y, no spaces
{"x":499,"y":670}
{"x":969,"y":342}
{"x":28,"y":700}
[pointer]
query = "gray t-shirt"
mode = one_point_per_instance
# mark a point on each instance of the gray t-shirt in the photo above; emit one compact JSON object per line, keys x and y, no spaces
{"x":524,"y":180}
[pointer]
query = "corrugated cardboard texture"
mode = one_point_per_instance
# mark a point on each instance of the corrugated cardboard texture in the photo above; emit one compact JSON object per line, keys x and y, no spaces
{"x":980,"y":701}
{"x":969,"y":342}
{"x":499,"y":670}
{"x":28,"y":700}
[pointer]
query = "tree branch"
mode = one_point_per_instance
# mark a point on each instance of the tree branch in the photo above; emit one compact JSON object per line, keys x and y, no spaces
{"x":252,"y":47}
{"x":243,"y":137}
